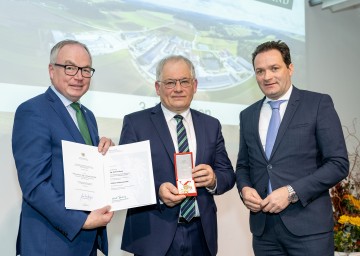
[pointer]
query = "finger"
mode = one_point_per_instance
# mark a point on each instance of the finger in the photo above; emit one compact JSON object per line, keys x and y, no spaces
{"x":169,"y":187}
{"x":202,"y":174}
{"x":252,"y":198}
{"x":266,"y":207}
{"x":174,"y":200}
{"x":110,"y":215}
{"x":199,"y":167}
{"x":105,"y":209}
{"x":106,"y":218}
{"x":174,"y":190}
{"x":200,"y":170}
{"x":179,"y":199}
{"x":253,"y":207}
{"x":104,"y":145}
{"x":200,"y":178}
{"x":199,"y":184}
{"x":264,"y":204}
{"x":101,"y":145}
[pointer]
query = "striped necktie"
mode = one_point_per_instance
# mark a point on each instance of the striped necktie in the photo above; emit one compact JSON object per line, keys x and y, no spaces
{"x":82,"y":123}
{"x":187,"y":207}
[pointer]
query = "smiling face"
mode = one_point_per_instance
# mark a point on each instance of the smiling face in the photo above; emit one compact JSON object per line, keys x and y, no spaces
{"x":272,"y":74}
{"x":177,"y":99}
{"x":72,"y":87}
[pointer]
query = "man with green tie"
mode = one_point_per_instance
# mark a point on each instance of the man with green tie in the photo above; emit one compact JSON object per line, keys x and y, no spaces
{"x":46,"y":226}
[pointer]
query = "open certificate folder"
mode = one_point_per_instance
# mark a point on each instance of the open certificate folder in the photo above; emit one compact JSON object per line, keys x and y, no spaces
{"x":123,"y":178}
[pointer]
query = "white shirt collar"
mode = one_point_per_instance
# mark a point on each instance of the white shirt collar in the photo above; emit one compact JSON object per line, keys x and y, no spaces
{"x":169,"y":114}
{"x":286,"y":96}
{"x":63,"y":99}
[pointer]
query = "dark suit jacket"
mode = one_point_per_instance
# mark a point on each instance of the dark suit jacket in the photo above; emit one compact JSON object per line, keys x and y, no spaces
{"x":46,"y":227}
{"x":150,"y":230}
{"x":309,"y":154}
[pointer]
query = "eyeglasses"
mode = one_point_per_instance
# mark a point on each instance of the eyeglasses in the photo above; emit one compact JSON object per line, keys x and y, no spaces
{"x":72,"y":70}
{"x":171,"y":83}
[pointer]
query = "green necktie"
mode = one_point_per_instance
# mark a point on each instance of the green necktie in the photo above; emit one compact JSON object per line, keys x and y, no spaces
{"x":82,"y":123}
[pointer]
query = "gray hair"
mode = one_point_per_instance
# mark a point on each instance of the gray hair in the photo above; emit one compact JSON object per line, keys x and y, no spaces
{"x":55,"y":50}
{"x":165,"y":60}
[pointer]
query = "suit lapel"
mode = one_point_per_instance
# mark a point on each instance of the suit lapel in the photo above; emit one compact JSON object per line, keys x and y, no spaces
{"x":289,"y":114}
{"x":255,"y":124}
{"x":64,"y":115}
{"x":158,"y":119}
{"x":199,"y":128}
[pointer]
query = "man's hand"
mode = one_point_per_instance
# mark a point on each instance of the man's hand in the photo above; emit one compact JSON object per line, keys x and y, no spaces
{"x":204,"y":176}
{"x":276,"y":201}
{"x":251,"y":199}
{"x":98,"y":218}
{"x":104,"y":145}
{"x":169,"y":194}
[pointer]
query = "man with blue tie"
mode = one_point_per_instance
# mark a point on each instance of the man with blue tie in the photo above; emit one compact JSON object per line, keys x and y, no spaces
{"x":47,"y":228}
{"x":177,"y":225}
{"x":292,"y":151}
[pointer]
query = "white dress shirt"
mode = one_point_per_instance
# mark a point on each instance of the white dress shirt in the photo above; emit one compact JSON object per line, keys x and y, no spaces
{"x":67,"y":104}
{"x":189,"y":127}
{"x":265,"y":115}
{"x":190,"y":133}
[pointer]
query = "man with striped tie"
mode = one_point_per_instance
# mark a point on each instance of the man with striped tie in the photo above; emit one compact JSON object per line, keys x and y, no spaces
{"x":177,"y":225}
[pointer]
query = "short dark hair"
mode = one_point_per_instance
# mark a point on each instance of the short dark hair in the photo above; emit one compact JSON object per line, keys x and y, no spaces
{"x":274,"y":45}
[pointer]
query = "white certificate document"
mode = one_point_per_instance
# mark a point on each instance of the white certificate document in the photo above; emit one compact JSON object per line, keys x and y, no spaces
{"x":123,"y":178}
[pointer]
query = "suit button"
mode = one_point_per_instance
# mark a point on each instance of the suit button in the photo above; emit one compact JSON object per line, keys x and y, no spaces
{"x":269,"y":167}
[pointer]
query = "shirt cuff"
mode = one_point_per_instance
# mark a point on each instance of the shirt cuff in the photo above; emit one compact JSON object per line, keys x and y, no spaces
{"x":212,"y":190}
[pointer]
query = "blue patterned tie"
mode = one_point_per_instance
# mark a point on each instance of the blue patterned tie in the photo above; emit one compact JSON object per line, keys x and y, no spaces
{"x":187,"y":208}
{"x":272,"y":131}
{"x":82,"y":123}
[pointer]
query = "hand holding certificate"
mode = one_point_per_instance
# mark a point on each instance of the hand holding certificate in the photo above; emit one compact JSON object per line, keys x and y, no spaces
{"x":123,"y":178}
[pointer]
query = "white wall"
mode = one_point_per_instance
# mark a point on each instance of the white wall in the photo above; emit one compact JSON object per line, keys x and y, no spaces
{"x":333,"y":58}
{"x":333,"y":67}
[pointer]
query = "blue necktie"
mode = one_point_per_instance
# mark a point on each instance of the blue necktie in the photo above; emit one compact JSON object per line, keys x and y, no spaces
{"x":82,"y":123}
{"x":272,"y":131}
{"x":187,"y":207}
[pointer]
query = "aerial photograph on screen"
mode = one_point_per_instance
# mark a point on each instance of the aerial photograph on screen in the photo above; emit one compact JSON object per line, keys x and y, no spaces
{"x":128,"y":38}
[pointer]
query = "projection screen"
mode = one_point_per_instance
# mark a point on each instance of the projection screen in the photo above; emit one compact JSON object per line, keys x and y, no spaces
{"x":127,"y":39}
